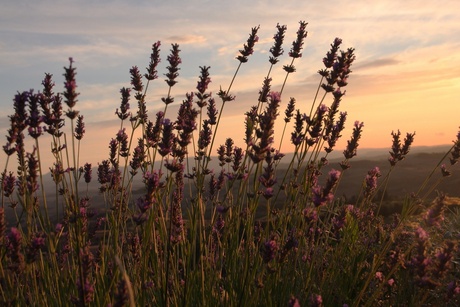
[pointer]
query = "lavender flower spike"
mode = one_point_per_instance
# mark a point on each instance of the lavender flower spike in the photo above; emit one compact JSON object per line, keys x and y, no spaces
{"x":248,"y":48}
{"x":70,"y":85}
{"x":173,"y":68}
{"x":297,"y":45}
{"x":152,"y":73}
{"x":277,"y":50}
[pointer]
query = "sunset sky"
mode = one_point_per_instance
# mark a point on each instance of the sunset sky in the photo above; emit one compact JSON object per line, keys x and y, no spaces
{"x":406,"y":75}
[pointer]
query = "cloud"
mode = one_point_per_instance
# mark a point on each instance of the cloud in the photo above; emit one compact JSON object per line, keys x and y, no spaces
{"x":187,"y":39}
{"x":376,"y":63}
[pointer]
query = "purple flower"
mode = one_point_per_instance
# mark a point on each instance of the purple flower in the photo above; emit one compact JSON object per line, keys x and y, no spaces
{"x":265,"y":131}
{"x":103,"y":172}
{"x":320,"y":196}
{"x":204,"y":139}
{"x":455,"y":153}
{"x":32,"y":177}
{"x":154,"y":61}
{"x":398,"y":152}
{"x":212,"y":111}
{"x":237,"y":158}
{"x":219,"y":225}
{"x":152,"y":182}
{"x":352,"y":145}
{"x":443,"y":259}
{"x":297,"y":45}
{"x":293,"y":302}
{"x":48,"y":85}
{"x":173,"y":68}
{"x":18,"y":120}
{"x":37,"y":242}
{"x":113,"y":146}
{"x":34,"y":119}
{"x":331,"y":55}
{"x":87,"y":172}
{"x":268,"y":177}
{"x":221,"y":155}
{"x":310,"y":215}
{"x":435,"y":215}
{"x":337,"y":67}
{"x":216,"y":184}
{"x":153,"y":131}
{"x":124,"y":106}
{"x":248,"y":48}
{"x":277,"y":49}
{"x":144,"y":203}
{"x":289,"y":110}
{"x":270,"y":249}
{"x":138,"y":157}
{"x":14,"y":250}
{"x":80,"y":128}
{"x":371,"y":181}
{"x":8,"y":183}
{"x":316,"y":125}
{"x":136,"y":80}
{"x":2,"y":226}
{"x":298,"y":136}
{"x":122,"y":139}
{"x":263,"y":93}
{"x":202,"y":86}
{"x":15,"y":239}
{"x":316,"y":300}
{"x":84,"y":284}
{"x":444,"y":171}
{"x":452,"y":290}
{"x":70,"y":85}
{"x":225,"y":96}
{"x":228,"y":150}
{"x":55,"y":122}
{"x":185,"y":123}
{"x":333,"y":133}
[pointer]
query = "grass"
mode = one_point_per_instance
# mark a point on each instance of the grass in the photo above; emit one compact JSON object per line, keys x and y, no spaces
{"x":258,"y":230}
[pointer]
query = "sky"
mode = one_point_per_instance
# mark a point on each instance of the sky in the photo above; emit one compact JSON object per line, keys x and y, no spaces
{"x":406,"y":73}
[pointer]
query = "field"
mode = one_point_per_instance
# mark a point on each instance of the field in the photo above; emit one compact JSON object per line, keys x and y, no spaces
{"x":170,"y":218}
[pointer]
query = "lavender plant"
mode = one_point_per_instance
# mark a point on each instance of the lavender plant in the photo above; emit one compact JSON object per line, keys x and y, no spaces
{"x":260,"y":229}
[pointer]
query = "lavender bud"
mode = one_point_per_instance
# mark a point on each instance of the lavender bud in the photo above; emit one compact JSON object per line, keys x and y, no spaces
{"x":212,"y":111}
{"x":136,"y":79}
{"x":352,"y":145}
{"x":202,"y":86}
{"x":166,"y":143}
{"x":122,"y":139}
{"x":154,"y":61}
{"x":289,"y":110}
{"x":297,"y":45}
{"x":331,"y":55}
{"x":455,"y":154}
{"x":8,"y":183}
{"x":248,"y":48}
{"x":173,"y":68}
{"x":70,"y":85}
{"x":277,"y":49}
{"x":263,"y":93}
{"x":87,"y":172}
{"x":80,"y":128}
{"x":124,"y":106}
